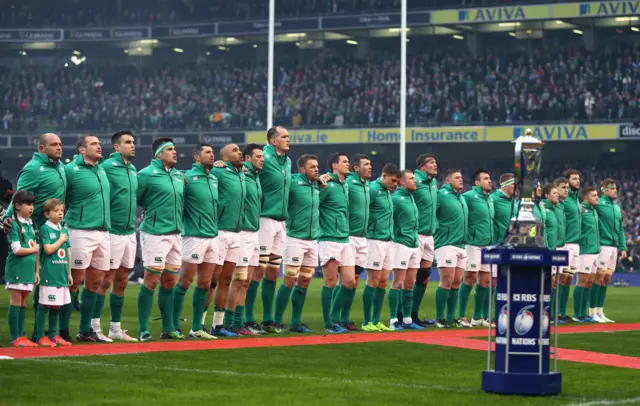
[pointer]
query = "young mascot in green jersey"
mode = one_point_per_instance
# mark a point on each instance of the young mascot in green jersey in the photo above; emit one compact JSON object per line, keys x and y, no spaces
{"x":55,"y":273}
{"x":161,"y":196}
{"x":301,"y":250}
{"x":123,"y":182}
{"x":22,"y":270}
{"x":614,"y":245}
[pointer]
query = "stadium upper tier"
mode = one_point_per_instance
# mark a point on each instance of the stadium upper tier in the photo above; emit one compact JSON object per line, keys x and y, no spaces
{"x":93,"y":13}
{"x":445,"y":85}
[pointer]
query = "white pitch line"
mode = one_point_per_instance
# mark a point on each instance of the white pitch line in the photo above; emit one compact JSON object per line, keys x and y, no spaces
{"x":627,"y":401}
{"x":305,"y":378}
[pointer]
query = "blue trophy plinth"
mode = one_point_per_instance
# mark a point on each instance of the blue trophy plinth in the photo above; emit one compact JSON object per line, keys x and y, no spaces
{"x":522,"y":338}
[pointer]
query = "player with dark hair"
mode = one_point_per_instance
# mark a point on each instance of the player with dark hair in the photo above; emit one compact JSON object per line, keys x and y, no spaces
{"x":379,"y":246}
{"x":545,"y":211}
{"x":573,"y":215}
{"x":589,"y":253}
{"x":301,"y":251}
{"x":89,"y":222}
{"x":161,"y":196}
{"x":275,"y":179}
{"x":199,"y":238}
{"x":426,"y":197}
{"x":479,"y":235}
{"x":562,"y":185}
{"x":452,"y":214}
{"x":123,"y":182}
{"x":359,"y":201}
{"x":613,"y":243}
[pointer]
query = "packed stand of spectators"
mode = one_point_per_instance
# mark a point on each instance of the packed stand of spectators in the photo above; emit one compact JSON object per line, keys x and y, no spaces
{"x":92,"y":13}
{"x":565,"y":84}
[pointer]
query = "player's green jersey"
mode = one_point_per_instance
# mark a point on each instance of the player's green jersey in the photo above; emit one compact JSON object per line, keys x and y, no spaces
{"x":253,"y":200}
{"x":46,"y":179}
{"x":304,"y":208}
{"x":88,"y":196}
{"x":233,"y":191}
{"x":505,"y":208}
{"x":573,"y":214}
{"x":54,"y":268}
{"x":590,"y":230}
{"x":545,"y":211}
{"x":426,"y":197}
{"x":275,"y":178}
{"x":452,"y":214}
{"x":405,"y":218}
{"x":334,"y":211}
{"x":123,"y":183}
{"x":380,"y":213}
{"x":359,"y":202}
{"x":610,"y":223}
{"x":480,"y":221}
{"x":21,"y":269}
{"x":200,"y":214}
{"x":562,"y":224}
{"x":161,"y":196}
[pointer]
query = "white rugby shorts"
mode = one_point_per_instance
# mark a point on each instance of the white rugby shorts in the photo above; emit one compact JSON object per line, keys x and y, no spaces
{"x":336,"y":251}
{"x":474,"y":259}
{"x":588,"y":263}
{"x":360,"y":250}
{"x":450,"y":256}
{"x":250,"y":249}
{"x":380,"y":255}
{"x":426,"y":247}
{"x":230,"y":244}
{"x":123,"y":250}
{"x":90,"y":248}
{"x":196,"y":250}
{"x":299,"y":252}
{"x":574,"y":255}
{"x":272,"y":235}
{"x":160,"y":250}
{"x":54,"y":296}
{"x":405,"y":258}
{"x":608,"y":258}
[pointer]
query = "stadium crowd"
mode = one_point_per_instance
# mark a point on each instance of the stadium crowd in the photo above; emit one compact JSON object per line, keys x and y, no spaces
{"x":34,"y":13}
{"x":552,"y":84}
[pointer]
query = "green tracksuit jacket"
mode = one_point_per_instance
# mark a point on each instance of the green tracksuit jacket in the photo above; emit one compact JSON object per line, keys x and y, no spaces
{"x":123,"y":181}
{"x":573,"y":214}
{"x":233,"y":191}
{"x":161,"y":196}
{"x":334,"y":211}
{"x":505,"y":209}
{"x":200,"y":214}
{"x":275,"y":179}
{"x":562,"y":224}
{"x":359,"y":202}
{"x":426,"y":197}
{"x":590,"y":231}
{"x":380,"y":213}
{"x":253,"y":200}
{"x":610,"y":224}
{"x":304,"y":209}
{"x":405,"y":218}
{"x":88,"y":195}
{"x":480,"y":221}
{"x":46,"y":180}
{"x":545,"y":211}
{"x":452,"y":214}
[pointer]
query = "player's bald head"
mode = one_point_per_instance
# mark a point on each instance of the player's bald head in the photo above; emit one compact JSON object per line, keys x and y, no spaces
{"x":224,"y":151}
{"x":231,"y":153}
{"x":44,"y":139}
{"x":50,"y":145}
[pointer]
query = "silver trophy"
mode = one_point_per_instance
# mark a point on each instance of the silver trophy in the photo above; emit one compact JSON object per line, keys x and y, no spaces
{"x":526,"y":229}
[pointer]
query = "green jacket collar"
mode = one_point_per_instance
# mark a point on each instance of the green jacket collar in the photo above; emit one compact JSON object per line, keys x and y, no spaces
{"x":44,"y":159}
{"x":78,"y":159}
{"x":335,"y":178}
{"x":233,"y":168}
{"x":381,"y":184}
{"x":424,"y":176}
{"x":199,"y":169}
{"x":355,"y":176}
{"x":547,"y":203}
{"x":479,"y":191}
{"x":574,"y":195}
{"x":586,"y":206}
{"x":118,"y":157}
{"x":158,"y":164}
{"x":272,"y":150}
{"x":609,"y":200}
{"x":447,"y":186}
{"x":250,"y":167}
{"x":402,"y":191}
{"x":306,"y":180}
{"x":503,"y":195}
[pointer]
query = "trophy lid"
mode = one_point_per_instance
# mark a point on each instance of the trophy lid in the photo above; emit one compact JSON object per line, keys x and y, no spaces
{"x":528,"y":140}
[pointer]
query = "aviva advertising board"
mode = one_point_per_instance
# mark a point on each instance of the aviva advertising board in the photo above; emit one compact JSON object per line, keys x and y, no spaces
{"x":445,"y":135}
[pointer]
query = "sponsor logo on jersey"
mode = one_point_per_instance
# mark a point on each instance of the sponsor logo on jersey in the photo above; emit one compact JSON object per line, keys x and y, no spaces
{"x":376,"y":264}
{"x":157,"y":259}
{"x":51,"y":298}
{"x":195,"y":256}
{"x":403,"y":263}
{"x":77,"y":262}
{"x":295,"y":259}
{"x":61,"y":253}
